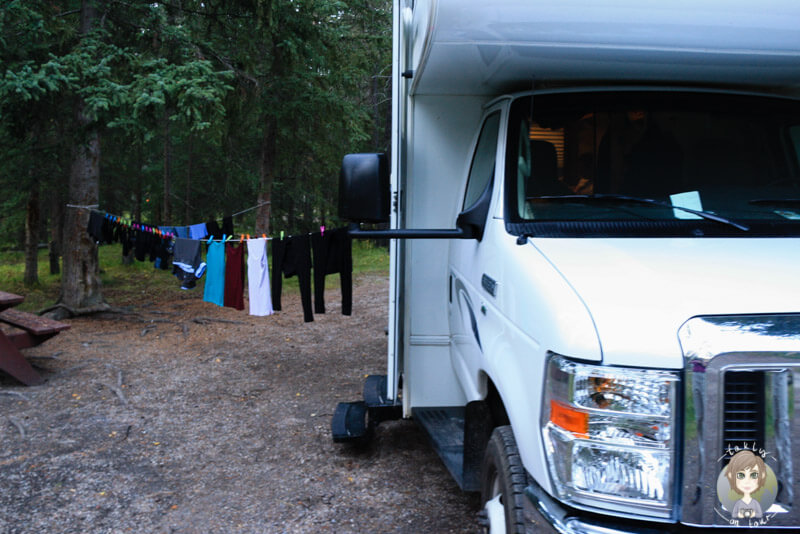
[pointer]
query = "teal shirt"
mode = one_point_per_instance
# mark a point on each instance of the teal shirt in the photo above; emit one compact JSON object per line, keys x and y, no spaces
{"x":215,"y":274}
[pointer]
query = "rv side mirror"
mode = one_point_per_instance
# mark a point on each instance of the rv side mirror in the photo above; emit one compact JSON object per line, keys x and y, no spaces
{"x":364,"y":188}
{"x":472,"y":220}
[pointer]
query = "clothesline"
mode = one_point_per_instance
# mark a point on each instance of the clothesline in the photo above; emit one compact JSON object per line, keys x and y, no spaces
{"x":224,"y":266}
{"x":96,"y":206}
{"x":251,"y":208}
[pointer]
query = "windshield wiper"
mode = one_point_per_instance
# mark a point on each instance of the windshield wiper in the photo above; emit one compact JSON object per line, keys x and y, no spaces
{"x":788,"y":202}
{"x":648,"y":201}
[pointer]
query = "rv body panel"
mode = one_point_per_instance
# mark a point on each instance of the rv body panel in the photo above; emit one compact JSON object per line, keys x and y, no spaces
{"x":443,"y":129}
{"x":494,"y":47}
{"x":504,"y":335}
{"x":640,"y":291}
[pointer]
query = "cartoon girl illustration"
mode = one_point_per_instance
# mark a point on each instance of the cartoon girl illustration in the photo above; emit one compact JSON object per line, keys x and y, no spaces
{"x":746,"y":474}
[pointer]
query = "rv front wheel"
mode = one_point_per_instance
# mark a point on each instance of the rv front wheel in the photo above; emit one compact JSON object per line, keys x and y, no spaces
{"x":503,"y":482}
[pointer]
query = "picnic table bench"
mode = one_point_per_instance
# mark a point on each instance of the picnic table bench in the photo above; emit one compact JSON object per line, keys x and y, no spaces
{"x":21,"y":330}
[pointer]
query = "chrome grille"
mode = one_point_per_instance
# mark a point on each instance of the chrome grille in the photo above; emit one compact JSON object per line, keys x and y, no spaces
{"x":743,"y":415}
{"x":742,"y":391}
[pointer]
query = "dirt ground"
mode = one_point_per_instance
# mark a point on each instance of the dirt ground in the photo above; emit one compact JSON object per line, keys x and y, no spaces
{"x":184,"y":417}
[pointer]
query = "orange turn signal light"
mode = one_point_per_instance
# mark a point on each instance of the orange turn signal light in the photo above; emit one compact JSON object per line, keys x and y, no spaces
{"x":569,"y":418}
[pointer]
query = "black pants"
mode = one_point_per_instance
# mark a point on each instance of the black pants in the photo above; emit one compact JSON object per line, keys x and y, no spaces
{"x":333,"y":253}
{"x":292,"y":256}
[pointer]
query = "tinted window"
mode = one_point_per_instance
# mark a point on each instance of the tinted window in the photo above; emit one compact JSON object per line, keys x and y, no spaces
{"x":723,"y":151}
{"x":483,"y":162}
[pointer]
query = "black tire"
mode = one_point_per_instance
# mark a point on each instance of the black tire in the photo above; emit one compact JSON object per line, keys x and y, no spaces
{"x":502,"y":474}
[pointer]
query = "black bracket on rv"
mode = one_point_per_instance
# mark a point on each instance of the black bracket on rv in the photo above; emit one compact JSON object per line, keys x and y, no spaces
{"x":355,"y":231}
{"x":354,"y":422}
{"x":364,"y":197}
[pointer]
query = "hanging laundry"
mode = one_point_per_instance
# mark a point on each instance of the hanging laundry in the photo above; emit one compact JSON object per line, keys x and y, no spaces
{"x":108,"y":229}
{"x":214,"y":291}
{"x":234,"y":276}
{"x":333,"y":253}
{"x":141,"y":243}
{"x":258,"y":277}
{"x":227,"y":225}
{"x":168,"y":231}
{"x":124,"y":235}
{"x":95,"y":226}
{"x":291,"y":257}
{"x":154,"y":244}
{"x":183,"y":231}
{"x":198,"y":231}
{"x":213,"y":229}
{"x":163,"y":252}
{"x":186,"y":261}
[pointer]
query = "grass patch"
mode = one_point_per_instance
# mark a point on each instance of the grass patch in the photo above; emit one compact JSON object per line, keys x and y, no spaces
{"x":12,"y":280}
{"x":139,"y":283}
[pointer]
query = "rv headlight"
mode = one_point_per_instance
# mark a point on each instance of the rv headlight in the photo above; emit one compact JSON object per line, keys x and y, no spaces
{"x":608,"y":433}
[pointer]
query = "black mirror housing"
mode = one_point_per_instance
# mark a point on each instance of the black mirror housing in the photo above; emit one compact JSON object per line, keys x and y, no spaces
{"x":364,"y":188}
{"x":472,"y":221}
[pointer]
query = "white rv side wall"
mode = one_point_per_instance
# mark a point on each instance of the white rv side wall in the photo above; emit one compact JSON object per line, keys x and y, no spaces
{"x":398,"y":97}
{"x":480,"y":47}
{"x":443,"y":130}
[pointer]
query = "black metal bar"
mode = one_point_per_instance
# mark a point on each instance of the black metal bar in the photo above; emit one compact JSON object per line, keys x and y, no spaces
{"x":356,"y":232}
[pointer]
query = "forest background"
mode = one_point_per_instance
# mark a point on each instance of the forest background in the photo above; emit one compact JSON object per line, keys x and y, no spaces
{"x":177,"y":112}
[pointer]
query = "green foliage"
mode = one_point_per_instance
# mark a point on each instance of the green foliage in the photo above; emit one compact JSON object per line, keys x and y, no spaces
{"x":194,"y":89}
{"x":211,"y":84}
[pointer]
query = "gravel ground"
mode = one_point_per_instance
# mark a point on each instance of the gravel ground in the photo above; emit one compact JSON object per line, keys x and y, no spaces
{"x":181,"y":416}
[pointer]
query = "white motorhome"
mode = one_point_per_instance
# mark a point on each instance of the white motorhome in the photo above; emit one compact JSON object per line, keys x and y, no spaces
{"x":595,"y":258}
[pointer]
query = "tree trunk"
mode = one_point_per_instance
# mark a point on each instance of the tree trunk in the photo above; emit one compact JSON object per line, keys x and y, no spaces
{"x":167,"y":213}
{"x":138,"y":193}
{"x":31,"y":277}
{"x":80,"y":284}
{"x":266,"y":174}
{"x":56,"y":224}
{"x":187,"y":214}
{"x":376,"y":120}
{"x":308,"y":213}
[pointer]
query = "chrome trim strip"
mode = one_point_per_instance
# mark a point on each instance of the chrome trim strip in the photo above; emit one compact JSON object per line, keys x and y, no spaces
{"x":712,"y":347}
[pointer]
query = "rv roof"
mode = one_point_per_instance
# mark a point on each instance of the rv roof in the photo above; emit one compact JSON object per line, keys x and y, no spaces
{"x":489,"y":47}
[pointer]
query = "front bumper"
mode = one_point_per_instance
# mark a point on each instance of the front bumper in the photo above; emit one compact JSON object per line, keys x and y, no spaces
{"x":543,"y":514}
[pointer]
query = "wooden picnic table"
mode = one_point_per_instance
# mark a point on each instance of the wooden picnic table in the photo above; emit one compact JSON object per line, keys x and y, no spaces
{"x":20,"y":330}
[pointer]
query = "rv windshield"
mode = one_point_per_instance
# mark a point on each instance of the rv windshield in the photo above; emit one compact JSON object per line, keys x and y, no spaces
{"x":647,"y":163}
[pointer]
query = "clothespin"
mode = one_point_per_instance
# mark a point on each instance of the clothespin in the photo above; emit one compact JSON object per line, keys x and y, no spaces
{"x":322,"y":230}
{"x":241,"y":238}
{"x":248,"y":237}
{"x":281,"y":235}
{"x":210,"y":239}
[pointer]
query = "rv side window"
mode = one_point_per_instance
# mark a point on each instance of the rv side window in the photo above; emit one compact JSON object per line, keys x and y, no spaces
{"x":483,"y":162}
